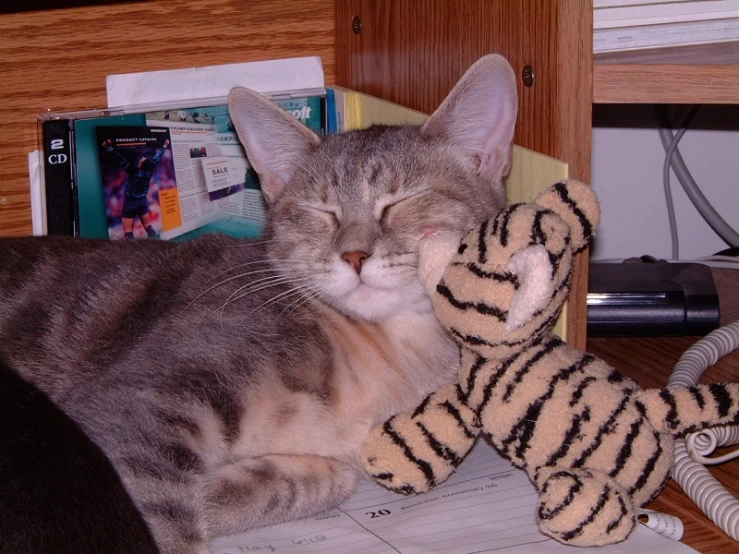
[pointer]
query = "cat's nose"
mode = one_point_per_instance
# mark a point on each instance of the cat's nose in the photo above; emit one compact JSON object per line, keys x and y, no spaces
{"x":355,"y":259}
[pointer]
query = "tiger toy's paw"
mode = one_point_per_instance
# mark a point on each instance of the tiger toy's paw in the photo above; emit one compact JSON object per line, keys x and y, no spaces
{"x":414,"y":451}
{"x":582,"y":508}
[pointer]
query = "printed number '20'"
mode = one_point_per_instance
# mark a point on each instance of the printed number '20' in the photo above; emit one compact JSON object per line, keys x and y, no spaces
{"x":378,"y":513}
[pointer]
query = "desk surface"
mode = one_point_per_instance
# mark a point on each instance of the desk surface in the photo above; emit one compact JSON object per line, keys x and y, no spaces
{"x":649,"y":361}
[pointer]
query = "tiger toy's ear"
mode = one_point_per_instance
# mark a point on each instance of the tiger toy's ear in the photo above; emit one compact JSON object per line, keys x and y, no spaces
{"x":578,"y":207}
{"x":507,"y":282}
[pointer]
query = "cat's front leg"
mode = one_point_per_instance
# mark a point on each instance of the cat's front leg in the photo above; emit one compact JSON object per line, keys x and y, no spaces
{"x":271,"y":489}
{"x":173,"y":513}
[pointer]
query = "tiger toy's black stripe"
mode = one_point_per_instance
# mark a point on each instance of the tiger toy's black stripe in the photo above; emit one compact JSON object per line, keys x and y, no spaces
{"x":538,"y":236}
{"x":604,"y":430}
{"x":423,"y":465}
{"x":649,"y":466}
{"x":671,"y":417}
{"x":457,"y":416}
{"x":722,"y":398}
{"x":482,"y":244}
{"x":472,"y":376}
{"x":626,"y":449}
{"x":587,"y":228}
{"x":619,"y":520}
{"x":574,"y":490}
{"x":522,"y":371}
{"x":497,"y":276}
{"x":580,"y":390}
{"x":569,"y":437}
{"x":421,"y":407}
{"x":698,"y":396}
{"x":603,"y":499}
{"x":441,"y":450}
{"x":479,"y":307}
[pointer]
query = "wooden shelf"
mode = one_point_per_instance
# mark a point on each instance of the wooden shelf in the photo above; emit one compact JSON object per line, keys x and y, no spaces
{"x":706,"y":74}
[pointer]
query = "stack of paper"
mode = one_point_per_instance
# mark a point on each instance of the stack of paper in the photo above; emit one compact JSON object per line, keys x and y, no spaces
{"x":638,"y":24}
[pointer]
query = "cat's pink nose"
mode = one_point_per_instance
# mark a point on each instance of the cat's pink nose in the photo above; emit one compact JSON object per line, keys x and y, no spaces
{"x":355,"y":259}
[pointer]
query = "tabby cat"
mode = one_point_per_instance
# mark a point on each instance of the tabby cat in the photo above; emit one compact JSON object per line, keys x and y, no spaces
{"x":232,"y":383}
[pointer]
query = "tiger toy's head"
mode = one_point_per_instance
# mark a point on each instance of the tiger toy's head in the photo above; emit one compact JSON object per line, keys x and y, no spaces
{"x":505,"y":284}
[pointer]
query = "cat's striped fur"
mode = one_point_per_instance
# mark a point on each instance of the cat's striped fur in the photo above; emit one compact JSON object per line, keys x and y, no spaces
{"x":231,"y":383}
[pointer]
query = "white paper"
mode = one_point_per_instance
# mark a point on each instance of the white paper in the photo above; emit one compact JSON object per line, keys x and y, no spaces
{"x":666,"y":525}
{"x":38,"y":193}
{"x":486,"y":506}
{"x":196,"y":146}
{"x":222,"y":171}
{"x":214,"y":81}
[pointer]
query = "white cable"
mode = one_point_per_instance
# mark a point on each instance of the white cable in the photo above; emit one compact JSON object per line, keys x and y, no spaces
{"x":702,"y":444}
{"x":701,"y":203}
{"x":694,"y":478}
{"x":670,"y":150}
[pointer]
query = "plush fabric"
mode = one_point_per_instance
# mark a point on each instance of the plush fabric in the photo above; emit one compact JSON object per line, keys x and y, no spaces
{"x":593,"y":443}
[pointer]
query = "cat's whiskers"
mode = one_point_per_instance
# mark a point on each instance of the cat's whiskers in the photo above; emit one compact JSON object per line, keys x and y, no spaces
{"x":267,"y":261}
{"x":300,"y":301}
{"x":223,"y":282}
{"x":239,"y":266}
{"x":298,"y":290}
{"x":245,"y":243}
{"x":240,"y":276}
{"x":255,"y":286}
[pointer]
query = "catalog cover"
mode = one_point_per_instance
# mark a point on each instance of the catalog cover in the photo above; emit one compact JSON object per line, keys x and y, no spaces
{"x":138,"y":181}
{"x":200,"y":180}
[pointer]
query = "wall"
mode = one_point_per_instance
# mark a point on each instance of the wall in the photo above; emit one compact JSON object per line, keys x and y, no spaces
{"x":627,"y":175}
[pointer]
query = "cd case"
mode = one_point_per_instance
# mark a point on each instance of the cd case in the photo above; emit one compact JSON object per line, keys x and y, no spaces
{"x":170,"y":171}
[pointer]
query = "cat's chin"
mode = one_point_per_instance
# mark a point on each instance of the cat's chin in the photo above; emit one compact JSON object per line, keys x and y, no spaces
{"x":377,"y":304}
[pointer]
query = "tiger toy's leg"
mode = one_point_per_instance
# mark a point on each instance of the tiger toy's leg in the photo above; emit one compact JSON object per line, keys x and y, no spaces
{"x":582,"y":507}
{"x":414,"y":451}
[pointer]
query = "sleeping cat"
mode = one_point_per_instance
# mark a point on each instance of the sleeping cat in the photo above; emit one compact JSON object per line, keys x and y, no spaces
{"x":232,"y":383}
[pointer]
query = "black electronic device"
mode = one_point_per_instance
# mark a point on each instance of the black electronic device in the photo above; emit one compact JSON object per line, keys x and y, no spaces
{"x":651,"y":299}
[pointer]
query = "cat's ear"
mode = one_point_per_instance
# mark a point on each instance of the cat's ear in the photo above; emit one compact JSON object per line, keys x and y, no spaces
{"x":479,"y":116}
{"x":275,"y":142}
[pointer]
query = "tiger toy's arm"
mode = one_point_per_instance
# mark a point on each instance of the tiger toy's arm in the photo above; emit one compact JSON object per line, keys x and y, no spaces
{"x":415,"y":451}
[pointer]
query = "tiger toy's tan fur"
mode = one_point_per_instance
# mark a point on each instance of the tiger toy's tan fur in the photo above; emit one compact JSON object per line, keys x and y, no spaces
{"x":593,"y":443}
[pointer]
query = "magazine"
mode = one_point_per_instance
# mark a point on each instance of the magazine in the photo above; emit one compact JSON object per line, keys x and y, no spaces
{"x":138,"y":180}
{"x":200,"y":182}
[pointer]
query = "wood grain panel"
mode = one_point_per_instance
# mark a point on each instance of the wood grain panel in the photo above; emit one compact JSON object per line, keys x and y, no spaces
{"x":649,"y":361}
{"x":665,"y":84}
{"x":413,"y":52}
{"x":58,"y":60}
{"x":574,"y":55}
{"x":698,"y":74}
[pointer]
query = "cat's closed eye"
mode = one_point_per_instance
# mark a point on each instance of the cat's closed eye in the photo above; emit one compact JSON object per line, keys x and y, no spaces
{"x":331,"y":217}
{"x":328,"y":214}
{"x":387,"y":209}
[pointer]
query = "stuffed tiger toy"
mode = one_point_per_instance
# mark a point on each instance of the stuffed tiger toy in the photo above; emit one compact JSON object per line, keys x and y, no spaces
{"x":595,"y":445}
